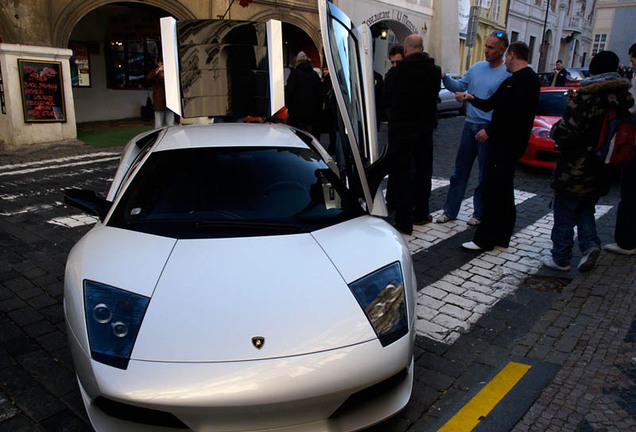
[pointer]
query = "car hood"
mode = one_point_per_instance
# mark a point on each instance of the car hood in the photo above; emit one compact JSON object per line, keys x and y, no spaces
{"x":215,"y":295}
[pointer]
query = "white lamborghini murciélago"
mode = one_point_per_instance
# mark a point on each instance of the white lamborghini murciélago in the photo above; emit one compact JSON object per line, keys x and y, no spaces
{"x":238,"y":280}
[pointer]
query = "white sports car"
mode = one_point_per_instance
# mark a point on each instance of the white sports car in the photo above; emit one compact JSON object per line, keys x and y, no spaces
{"x":235,"y":282}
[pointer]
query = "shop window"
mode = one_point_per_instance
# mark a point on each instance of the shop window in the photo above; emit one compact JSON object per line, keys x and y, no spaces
{"x":130,"y":61}
{"x":132,"y":48}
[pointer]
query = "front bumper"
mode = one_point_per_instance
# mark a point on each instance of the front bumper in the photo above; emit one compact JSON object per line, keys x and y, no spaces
{"x":334,"y":390}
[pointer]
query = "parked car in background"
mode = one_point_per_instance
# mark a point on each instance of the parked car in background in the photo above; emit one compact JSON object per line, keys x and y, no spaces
{"x":446,"y":101}
{"x":540,"y":152}
{"x":574,"y":78}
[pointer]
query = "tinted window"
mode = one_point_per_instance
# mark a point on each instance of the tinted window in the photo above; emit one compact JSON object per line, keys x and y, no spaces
{"x":552,"y":103}
{"x":199,"y":193}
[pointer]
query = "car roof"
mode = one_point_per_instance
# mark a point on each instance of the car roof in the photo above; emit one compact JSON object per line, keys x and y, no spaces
{"x":230,"y":135}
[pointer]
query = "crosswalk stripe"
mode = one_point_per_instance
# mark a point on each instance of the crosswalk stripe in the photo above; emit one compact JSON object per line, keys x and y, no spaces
{"x":64,"y":165}
{"x":448,"y":307}
{"x":55,"y":161}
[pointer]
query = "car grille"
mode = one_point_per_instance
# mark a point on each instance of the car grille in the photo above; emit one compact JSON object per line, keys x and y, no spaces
{"x":137,"y":414}
{"x":369,"y":393}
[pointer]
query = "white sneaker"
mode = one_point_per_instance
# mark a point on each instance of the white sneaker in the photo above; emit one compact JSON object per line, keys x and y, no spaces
{"x":613,"y":247}
{"x":549,"y":262}
{"x":443,"y":218}
{"x":471,"y":246}
{"x":473,"y":221}
{"x":588,"y":261}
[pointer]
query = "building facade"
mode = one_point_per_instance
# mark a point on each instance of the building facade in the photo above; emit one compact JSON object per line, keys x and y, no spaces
{"x":489,"y":16}
{"x":103,"y":49}
{"x":554,"y":30}
{"x":614,"y":27}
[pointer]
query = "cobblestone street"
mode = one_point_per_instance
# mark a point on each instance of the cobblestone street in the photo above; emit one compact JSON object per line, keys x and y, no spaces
{"x":477,"y":313}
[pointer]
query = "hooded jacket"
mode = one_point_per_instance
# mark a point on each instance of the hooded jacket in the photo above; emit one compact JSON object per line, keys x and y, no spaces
{"x":578,"y":171}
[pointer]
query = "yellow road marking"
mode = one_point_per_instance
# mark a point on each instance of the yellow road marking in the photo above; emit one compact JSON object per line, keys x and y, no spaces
{"x":479,"y":406}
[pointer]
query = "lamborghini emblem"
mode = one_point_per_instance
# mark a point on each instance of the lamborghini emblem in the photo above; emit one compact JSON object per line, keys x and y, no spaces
{"x":258,"y":342}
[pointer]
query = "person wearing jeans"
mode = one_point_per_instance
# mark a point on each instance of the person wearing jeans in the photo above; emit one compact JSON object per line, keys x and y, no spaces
{"x":570,"y":212}
{"x":482,"y":80}
{"x":580,"y":177}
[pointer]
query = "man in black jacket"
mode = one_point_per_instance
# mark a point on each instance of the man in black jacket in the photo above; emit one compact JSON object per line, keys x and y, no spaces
{"x":303,"y":94}
{"x":513,"y":106}
{"x":410,"y":96}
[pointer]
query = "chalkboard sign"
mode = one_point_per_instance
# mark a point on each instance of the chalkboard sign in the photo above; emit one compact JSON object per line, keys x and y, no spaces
{"x":42,"y":91}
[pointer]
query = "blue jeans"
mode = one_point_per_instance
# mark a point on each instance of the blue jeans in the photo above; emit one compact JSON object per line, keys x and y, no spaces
{"x":469,"y":149}
{"x":570,"y":212}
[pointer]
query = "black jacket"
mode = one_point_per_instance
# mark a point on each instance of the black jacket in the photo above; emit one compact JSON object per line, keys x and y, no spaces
{"x":410,"y":92}
{"x":303,"y":95}
{"x":514,"y":105}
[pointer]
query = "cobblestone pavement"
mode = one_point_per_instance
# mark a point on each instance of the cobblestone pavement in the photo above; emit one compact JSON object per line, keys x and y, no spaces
{"x":476,"y":312}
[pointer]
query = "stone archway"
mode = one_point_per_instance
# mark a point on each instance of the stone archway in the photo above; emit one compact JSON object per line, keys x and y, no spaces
{"x":75,"y":10}
{"x":306,"y":22}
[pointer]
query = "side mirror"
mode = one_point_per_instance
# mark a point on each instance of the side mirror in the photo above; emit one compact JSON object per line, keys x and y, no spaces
{"x":88,"y":202}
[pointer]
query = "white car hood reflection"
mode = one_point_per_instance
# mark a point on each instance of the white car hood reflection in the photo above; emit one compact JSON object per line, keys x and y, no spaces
{"x":215,"y":295}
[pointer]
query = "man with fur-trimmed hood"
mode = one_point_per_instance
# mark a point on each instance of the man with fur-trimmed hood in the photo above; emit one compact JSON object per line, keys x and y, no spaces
{"x":580,"y":178}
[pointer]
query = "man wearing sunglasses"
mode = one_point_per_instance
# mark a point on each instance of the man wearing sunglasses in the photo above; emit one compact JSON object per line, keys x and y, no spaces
{"x":481,"y":80}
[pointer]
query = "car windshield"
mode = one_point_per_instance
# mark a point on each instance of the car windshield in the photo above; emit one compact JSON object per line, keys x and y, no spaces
{"x":552,"y":103}
{"x":233,"y":192}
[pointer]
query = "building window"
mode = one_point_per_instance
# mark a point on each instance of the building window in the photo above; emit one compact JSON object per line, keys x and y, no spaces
{"x":496,"y":10}
{"x":531,"y":46}
{"x":599,"y":43}
{"x":514,"y":37}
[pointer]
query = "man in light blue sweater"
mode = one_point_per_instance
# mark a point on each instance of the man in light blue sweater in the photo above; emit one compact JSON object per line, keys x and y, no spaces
{"x":481,"y":80}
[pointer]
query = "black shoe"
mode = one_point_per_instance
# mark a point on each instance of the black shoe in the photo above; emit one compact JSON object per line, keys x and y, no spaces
{"x":422,"y":220}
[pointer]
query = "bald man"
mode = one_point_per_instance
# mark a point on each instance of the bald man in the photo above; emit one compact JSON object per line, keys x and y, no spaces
{"x":410,"y":96}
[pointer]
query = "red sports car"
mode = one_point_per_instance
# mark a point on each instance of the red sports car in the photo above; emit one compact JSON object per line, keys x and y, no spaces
{"x":540,"y":152}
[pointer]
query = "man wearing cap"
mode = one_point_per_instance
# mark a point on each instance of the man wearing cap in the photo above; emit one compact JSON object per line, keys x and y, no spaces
{"x":580,"y":178}
{"x":303,"y":94}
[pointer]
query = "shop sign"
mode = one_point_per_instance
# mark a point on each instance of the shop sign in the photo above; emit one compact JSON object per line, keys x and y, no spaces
{"x":392,"y":15}
{"x":80,"y":66}
{"x":42,"y":91}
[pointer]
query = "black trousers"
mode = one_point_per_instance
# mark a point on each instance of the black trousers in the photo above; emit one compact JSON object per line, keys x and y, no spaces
{"x":625,"y":231}
{"x":498,"y":198}
{"x":410,"y":167}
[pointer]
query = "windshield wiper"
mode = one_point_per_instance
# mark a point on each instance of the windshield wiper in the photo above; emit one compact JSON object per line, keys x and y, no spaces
{"x":247,"y":225}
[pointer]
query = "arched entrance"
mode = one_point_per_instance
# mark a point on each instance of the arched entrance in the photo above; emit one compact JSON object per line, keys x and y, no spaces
{"x":386,"y":34}
{"x":115,"y":46}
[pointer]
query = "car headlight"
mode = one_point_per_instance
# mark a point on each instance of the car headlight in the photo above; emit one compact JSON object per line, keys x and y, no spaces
{"x":113,"y":318}
{"x":382,"y":297}
{"x":541,"y":132}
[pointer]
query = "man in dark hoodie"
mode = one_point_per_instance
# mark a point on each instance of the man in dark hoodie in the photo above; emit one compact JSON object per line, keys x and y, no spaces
{"x":580,"y":178}
{"x":410,"y":96}
{"x":303,"y":94}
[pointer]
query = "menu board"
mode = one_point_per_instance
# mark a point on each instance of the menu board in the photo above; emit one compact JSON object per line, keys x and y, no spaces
{"x":42,"y":91}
